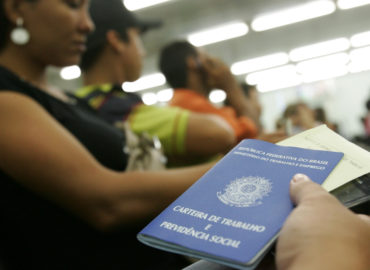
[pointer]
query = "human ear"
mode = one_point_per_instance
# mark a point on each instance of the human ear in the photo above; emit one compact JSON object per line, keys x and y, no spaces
{"x":114,"y":41}
{"x":193,"y":62}
{"x":13,"y":10}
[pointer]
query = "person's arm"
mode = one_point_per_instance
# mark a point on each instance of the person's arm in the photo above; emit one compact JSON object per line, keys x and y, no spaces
{"x":208,"y":134}
{"x":242,"y":127}
{"x":220,"y":76}
{"x":47,"y":159}
{"x":321,"y":233}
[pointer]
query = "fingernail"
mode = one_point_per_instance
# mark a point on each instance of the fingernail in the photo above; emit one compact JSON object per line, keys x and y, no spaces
{"x":299,"y":178}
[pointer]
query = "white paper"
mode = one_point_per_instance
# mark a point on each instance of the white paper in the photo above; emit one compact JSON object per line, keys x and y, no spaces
{"x":355,"y":162}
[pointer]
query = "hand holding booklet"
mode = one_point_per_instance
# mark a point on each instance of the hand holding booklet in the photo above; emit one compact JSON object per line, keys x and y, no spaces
{"x":234,"y":212}
{"x":350,"y":180}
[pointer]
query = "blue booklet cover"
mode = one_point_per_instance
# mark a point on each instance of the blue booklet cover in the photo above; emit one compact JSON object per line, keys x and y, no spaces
{"x":234,"y":212}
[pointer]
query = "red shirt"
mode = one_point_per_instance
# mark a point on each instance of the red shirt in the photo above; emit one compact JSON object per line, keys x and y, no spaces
{"x":188,"y":99}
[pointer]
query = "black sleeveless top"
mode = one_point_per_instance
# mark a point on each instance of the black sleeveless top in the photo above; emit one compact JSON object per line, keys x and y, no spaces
{"x":38,"y":234}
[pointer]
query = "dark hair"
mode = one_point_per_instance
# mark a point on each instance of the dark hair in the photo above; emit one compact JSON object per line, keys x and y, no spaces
{"x":5,"y":26}
{"x":172,"y":62}
{"x":320,"y":114}
{"x":92,"y":53}
{"x":110,"y":15}
{"x":247,"y":88}
{"x":368,"y":104}
{"x":291,"y":110}
{"x":90,"y":56}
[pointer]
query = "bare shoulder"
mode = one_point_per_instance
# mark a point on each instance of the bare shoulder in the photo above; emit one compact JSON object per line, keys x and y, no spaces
{"x":31,"y":137}
{"x":14,"y":102}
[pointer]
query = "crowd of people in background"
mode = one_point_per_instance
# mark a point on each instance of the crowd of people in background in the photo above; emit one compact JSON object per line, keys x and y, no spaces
{"x":68,"y":199}
{"x":299,"y":116}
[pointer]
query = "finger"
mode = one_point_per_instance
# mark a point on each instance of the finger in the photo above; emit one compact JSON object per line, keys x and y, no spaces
{"x":301,"y":188}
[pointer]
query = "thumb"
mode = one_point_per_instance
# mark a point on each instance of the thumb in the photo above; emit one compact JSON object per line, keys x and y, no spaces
{"x":302,"y":188}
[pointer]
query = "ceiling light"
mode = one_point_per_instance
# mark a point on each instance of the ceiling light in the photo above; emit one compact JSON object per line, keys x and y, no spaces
{"x":263,"y":62}
{"x":322,"y":63}
{"x":217,"y":34}
{"x":139,"y":4}
{"x":347,"y":4}
{"x":70,"y":73}
{"x":149,"y":98}
{"x":328,"y":74}
{"x":361,"y":39}
{"x":289,"y":81}
{"x":359,"y":60}
{"x":275,"y":78}
{"x":145,"y":82}
{"x":217,"y":96}
{"x":165,"y":95}
{"x":319,"y":49}
{"x":291,"y":15}
{"x":324,"y":68}
{"x":274,"y":74}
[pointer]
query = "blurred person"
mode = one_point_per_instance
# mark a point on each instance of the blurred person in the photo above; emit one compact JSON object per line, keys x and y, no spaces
{"x":366,"y":119}
{"x":114,"y":56}
{"x":320,"y":116}
{"x":66,"y":200}
{"x":193,"y":74}
{"x":299,"y":117}
{"x":363,"y":139}
{"x":252,"y":94}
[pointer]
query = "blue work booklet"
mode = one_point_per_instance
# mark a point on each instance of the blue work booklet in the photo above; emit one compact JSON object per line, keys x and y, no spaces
{"x":234,"y":212}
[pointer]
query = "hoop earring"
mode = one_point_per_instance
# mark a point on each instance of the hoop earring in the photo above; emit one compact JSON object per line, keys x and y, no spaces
{"x":20,"y":35}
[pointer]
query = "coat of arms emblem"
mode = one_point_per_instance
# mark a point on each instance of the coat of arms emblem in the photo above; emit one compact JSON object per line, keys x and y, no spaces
{"x":245,"y":191}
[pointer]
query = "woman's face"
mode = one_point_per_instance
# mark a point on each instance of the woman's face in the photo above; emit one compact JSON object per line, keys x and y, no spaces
{"x":58,"y":30}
